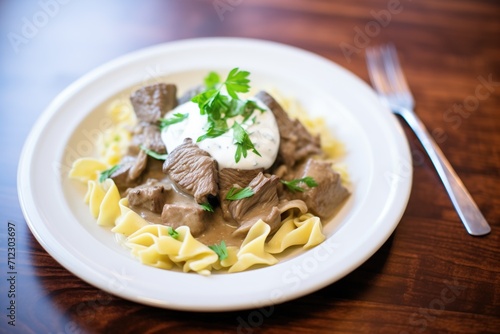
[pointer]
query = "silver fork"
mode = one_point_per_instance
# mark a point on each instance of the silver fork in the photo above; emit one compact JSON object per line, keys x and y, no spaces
{"x":388,"y":79}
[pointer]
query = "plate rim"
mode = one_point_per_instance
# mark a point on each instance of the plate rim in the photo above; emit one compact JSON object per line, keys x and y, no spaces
{"x":51,"y":110}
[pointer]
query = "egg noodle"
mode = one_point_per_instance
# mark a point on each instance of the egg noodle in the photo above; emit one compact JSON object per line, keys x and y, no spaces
{"x":155,"y":244}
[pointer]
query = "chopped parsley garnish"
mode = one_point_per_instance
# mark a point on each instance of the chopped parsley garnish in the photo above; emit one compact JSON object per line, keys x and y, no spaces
{"x":212,"y":132}
{"x":106,"y":174}
{"x":237,"y":82}
{"x":243,"y":142}
{"x":293,"y":185}
{"x":153,"y":154}
{"x":173,"y":233}
{"x":219,"y":108}
{"x":212,"y":80}
{"x":220,"y":250}
{"x":235,"y":194}
{"x":207,"y":207}
{"x":175,"y":118}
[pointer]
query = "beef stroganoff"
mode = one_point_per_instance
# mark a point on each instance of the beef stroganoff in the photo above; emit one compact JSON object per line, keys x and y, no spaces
{"x":211,"y":180}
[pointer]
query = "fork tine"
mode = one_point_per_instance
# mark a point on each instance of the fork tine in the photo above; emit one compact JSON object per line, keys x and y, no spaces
{"x":394,"y":70}
{"x":373,"y":61}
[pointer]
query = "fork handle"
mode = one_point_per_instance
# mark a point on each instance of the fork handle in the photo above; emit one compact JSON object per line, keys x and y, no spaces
{"x":469,"y":213}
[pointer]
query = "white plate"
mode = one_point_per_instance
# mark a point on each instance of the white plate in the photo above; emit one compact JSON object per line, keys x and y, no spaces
{"x":378,"y":161}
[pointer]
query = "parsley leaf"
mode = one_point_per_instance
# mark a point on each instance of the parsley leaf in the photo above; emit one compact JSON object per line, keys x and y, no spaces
{"x":243,"y":142}
{"x":205,"y":100}
{"x":173,"y":233}
{"x":211,"y":134}
{"x":239,"y":193}
{"x":220,"y":250}
{"x":293,"y":185}
{"x":219,"y":108}
{"x":207,"y":207}
{"x":175,"y":118}
{"x":153,"y":154}
{"x":106,"y":174}
{"x":212,"y":80}
{"x":237,"y":82}
{"x":243,"y":108}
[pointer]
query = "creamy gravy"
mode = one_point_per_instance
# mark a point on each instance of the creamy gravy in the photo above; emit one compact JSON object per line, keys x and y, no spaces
{"x":217,"y":229}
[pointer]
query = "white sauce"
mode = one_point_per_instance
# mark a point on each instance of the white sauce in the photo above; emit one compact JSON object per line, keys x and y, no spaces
{"x":264,"y":135}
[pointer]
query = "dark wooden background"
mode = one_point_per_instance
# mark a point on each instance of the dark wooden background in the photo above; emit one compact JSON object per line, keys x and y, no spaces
{"x":429,"y":277}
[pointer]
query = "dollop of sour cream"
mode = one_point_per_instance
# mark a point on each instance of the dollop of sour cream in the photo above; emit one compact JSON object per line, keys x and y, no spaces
{"x":263,"y":132}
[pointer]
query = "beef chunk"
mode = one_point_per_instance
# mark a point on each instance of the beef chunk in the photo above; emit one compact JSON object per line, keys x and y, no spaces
{"x":131,"y":170}
{"x":148,"y":135}
{"x":151,"y":196}
{"x":152,"y":139}
{"x":120,"y":176}
{"x":296,"y":143}
{"x":231,"y":177}
{"x":153,"y":102}
{"x":325,"y":198}
{"x":193,"y":170}
{"x":138,"y":166}
{"x":128,"y":173}
{"x":262,"y":205}
{"x":191,"y":215}
{"x":150,"y":104}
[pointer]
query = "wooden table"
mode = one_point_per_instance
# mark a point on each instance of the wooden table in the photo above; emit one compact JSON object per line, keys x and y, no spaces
{"x":430,"y":276}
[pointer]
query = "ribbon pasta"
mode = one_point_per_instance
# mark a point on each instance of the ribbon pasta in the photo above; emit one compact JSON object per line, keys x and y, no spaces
{"x":86,"y":169}
{"x":103,"y":199}
{"x":304,"y":230}
{"x":113,"y":142}
{"x":252,"y":250}
{"x":153,"y":245}
{"x":129,"y":221}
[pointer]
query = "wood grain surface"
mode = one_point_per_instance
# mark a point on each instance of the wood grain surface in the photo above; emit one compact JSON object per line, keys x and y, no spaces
{"x":429,"y":277}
